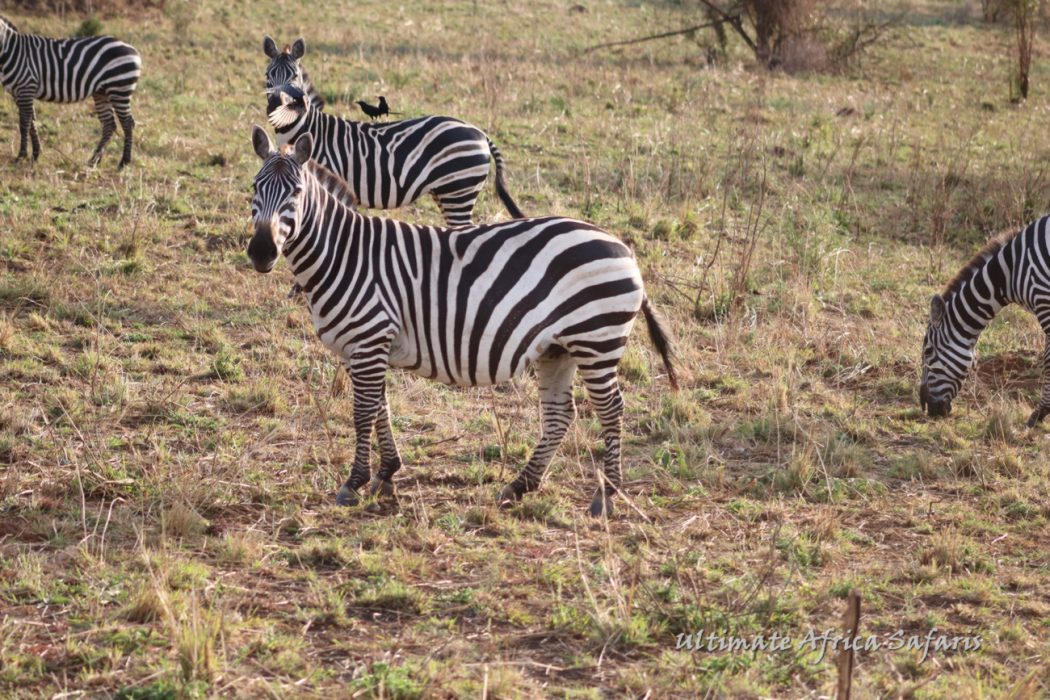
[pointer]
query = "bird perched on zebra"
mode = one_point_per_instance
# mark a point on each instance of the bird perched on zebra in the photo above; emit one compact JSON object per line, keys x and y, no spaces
{"x":468,"y":306}
{"x":286,"y":67}
{"x":1013,"y":267}
{"x":392,"y":165}
{"x":373,"y":112}
{"x":69,"y":70}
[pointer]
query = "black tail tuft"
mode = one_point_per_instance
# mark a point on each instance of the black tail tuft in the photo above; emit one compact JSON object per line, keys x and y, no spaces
{"x":661,"y":339}
{"x":501,"y":185}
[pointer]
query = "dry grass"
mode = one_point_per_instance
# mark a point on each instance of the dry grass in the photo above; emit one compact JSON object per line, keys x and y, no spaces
{"x":171,"y":434}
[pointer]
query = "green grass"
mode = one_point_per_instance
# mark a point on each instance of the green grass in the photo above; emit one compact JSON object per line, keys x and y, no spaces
{"x":172,"y":434}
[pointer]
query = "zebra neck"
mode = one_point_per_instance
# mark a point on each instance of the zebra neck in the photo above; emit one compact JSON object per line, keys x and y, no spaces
{"x":971,"y":307}
{"x":8,"y":49}
{"x":304,"y":125}
{"x":326,"y":230}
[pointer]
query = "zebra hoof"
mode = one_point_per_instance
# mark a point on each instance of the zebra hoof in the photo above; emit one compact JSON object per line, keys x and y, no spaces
{"x":382,"y":488}
{"x":1036,"y":418}
{"x":601,"y":505}
{"x":508,"y":497}
{"x":347,"y":497}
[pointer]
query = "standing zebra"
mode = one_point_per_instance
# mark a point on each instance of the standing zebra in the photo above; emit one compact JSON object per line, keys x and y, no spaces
{"x":469,"y":306}
{"x":393,"y":164}
{"x":286,"y":67}
{"x":1011,"y":268}
{"x":70,"y":70}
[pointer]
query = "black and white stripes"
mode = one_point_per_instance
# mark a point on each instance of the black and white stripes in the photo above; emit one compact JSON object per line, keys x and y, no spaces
{"x":1011,"y":268}
{"x":468,"y":306}
{"x":69,"y":70}
{"x":393,"y":164}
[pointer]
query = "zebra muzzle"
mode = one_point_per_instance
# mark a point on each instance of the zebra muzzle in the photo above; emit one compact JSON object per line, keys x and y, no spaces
{"x":261,"y":249}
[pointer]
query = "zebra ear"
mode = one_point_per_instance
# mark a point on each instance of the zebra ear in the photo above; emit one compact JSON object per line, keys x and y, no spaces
{"x":261,"y":141}
{"x":304,"y":148}
{"x":286,"y":99}
{"x":269,"y":47}
{"x":936,"y":309}
{"x":298,"y":48}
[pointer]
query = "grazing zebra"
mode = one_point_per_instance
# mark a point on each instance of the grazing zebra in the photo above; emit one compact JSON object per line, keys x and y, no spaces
{"x":469,"y":306}
{"x":1013,"y":267}
{"x":393,"y":164}
{"x":70,"y":70}
{"x":286,"y":67}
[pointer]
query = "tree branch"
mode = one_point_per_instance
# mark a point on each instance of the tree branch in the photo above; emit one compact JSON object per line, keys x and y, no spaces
{"x":734,"y":22}
{"x":689,"y":30}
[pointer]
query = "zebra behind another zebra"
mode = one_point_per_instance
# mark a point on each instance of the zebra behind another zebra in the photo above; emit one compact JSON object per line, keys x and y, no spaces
{"x":286,"y":67}
{"x":1013,"y":267}
{"x":469,"y":306}
{"x":69,"y":70}
{"x":393,"y":164}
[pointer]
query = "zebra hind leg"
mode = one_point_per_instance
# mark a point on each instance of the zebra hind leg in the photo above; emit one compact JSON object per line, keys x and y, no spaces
{"x":122,"y":106}
{"x":603,"y":389}
{"x":554,"y":372}
{"x":457,"y":207}
{"x":104,"y":110}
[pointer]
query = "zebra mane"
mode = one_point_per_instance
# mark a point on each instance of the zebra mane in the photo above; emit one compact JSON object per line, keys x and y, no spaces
{"x":333,"y":184}
{"x":986,"y":253}
{"x":9,"y":23}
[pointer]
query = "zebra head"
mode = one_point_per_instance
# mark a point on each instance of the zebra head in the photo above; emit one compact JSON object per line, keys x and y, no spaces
{"x":286,"y":107}
{"x":284,"y":65}
{"x":278,"y":197}
{"x":945,"y":361}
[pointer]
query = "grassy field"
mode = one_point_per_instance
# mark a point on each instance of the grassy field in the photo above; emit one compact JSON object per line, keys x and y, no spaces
{"x":172,"y":434}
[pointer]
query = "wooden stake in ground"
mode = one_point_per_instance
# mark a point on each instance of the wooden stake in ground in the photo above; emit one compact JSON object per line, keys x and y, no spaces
{"x":850,"y":628}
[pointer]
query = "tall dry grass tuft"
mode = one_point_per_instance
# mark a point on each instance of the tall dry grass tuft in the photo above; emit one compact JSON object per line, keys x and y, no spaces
{"x":104,"y":7}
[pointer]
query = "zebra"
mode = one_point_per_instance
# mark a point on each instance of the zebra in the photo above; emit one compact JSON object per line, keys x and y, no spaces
{"x":286,"y":67}
{"x":467,"y":306}
{"x":70,"y":70}
{"x":393,"y":164}
{"x":1013,"y":267}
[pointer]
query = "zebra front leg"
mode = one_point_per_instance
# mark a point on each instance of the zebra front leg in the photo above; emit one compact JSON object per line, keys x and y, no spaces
{"x":1043,"y":409}
{"x":104,"y":111}
{"x":554,"y":376}
{"x":603,"y":389}
{"x":390,"y":459}
{"x":26,"y":126}
{"x":367,"y":378}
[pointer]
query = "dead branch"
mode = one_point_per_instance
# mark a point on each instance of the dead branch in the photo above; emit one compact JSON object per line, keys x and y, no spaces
{"x":663,"y":35}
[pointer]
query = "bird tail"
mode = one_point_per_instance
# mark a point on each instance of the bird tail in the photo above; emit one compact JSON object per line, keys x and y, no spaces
{"x":501,"y":185}
{"x":661,"y":339}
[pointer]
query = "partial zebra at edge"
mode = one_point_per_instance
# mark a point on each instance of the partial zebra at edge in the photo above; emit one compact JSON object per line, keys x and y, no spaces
{"x":1011,"y":268}
{"x":70,"y":70}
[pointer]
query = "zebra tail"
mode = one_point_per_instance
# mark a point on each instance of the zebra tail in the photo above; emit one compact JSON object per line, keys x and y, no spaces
{"x":501,"y":185}
{"x":661,"y":339}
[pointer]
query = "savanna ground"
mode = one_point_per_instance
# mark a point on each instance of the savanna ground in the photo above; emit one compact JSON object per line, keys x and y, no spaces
{"x":172,"y":435}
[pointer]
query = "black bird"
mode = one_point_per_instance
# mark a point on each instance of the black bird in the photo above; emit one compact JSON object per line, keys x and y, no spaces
{"x":374,"y":112}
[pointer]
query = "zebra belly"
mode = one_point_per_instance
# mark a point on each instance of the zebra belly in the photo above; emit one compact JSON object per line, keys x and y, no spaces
{"x":404,"y":355}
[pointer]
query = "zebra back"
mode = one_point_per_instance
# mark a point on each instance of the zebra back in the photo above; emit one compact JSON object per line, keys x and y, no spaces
{"x":387,"y":165}
{"x":67,"y":70}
